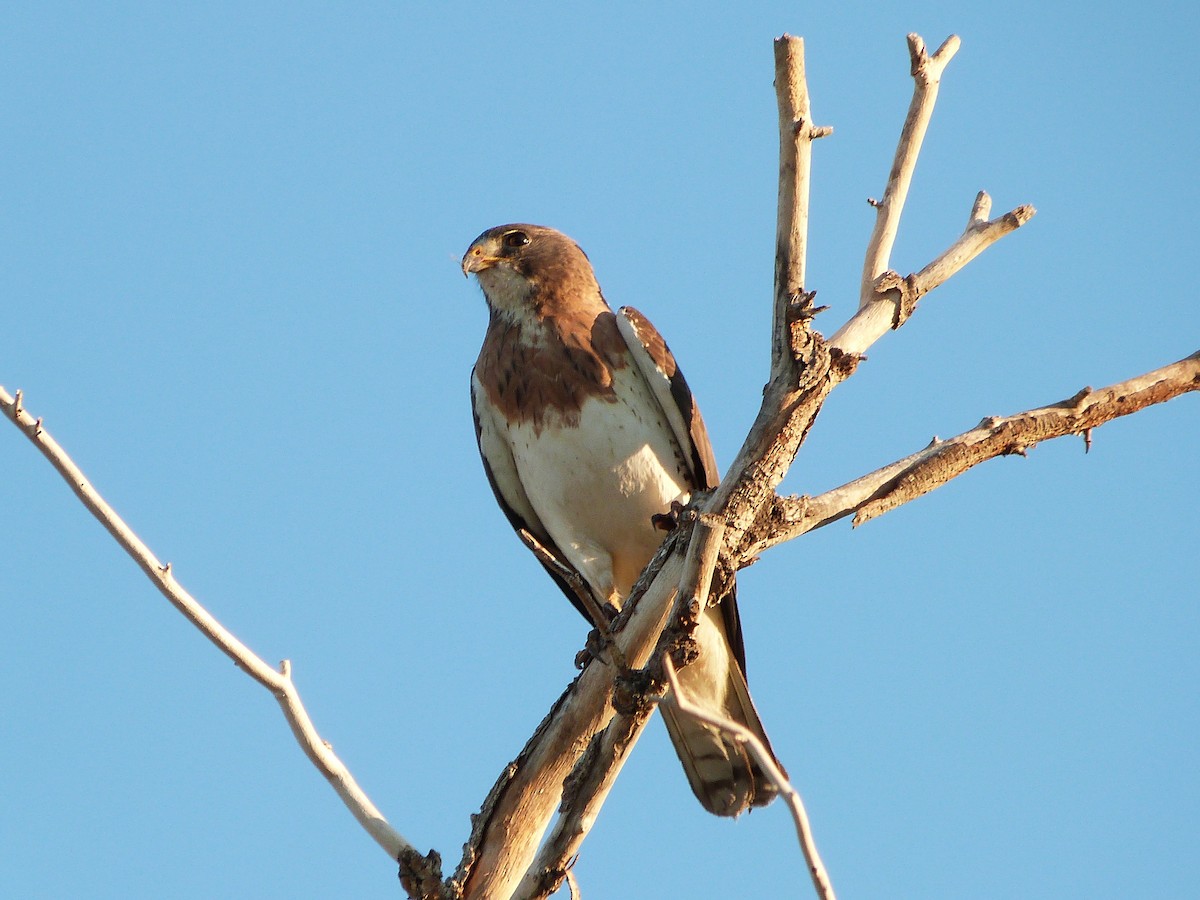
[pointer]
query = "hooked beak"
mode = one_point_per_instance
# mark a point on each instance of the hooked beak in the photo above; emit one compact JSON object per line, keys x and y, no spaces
{"x":475,"y":260}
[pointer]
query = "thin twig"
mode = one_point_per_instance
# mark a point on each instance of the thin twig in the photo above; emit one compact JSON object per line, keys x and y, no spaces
{"x":927,"y":73}
{"x":748,"y":739}
{"x":980,"y":234}
{"x":279,"y":683}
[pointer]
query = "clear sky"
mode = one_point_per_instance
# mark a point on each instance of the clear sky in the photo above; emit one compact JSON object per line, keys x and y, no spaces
{"x":229,"y":244}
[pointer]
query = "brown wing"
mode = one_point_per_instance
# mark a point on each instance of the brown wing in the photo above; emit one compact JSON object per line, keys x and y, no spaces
{"x":661,"y":372}
{"x":502,"y":475}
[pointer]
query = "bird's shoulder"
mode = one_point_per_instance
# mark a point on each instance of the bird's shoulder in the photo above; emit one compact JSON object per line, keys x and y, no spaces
{"x":656,"y":363}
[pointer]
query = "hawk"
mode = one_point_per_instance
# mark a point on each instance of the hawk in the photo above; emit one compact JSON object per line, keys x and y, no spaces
{"x":588,"y":431}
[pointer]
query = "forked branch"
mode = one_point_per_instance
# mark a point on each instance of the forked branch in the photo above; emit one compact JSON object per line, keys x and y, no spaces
{"x":894,"y":299}
{"x":742,"y":518}
{"x":885,"y":299}
{"x":500,"y":850}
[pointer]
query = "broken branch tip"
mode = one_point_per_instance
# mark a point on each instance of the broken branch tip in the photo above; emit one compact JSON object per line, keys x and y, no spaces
{"x":1023,"y":214}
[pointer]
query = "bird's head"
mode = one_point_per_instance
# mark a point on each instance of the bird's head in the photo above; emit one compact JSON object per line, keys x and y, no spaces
{"x":522,"y":265}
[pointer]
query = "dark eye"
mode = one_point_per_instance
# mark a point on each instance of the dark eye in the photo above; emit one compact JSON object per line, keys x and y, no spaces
{"x":515,"y":240}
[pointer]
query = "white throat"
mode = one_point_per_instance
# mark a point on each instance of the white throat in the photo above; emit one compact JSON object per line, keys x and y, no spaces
{"x":507,"y":291}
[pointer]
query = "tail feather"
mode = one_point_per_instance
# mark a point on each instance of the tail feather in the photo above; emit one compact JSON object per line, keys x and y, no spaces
{"x":723,"y":775}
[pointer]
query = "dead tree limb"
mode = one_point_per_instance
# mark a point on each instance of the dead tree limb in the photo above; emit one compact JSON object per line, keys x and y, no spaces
{"x":570,"y":763}
{"x":593,"y":778}
{"x":800,"y":380}
{"x":907,"y":479}
{"x":927,"y":77}
{"x":279,"y":683}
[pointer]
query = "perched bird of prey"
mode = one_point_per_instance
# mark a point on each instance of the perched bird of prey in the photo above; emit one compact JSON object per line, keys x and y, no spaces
{"x":587,"y":432}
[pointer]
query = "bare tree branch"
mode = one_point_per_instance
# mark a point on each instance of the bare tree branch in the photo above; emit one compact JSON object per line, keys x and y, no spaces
{"x":800,"y":380}
{"x":513,"y":819}
{"x":884,"y":489}
{"x":1016,"y":434}
{"x":927,"y":73}
{"x":979,"y":234}
{"x":579,"y":748}
{"x":799,"y":364}
{"x":586,"y":789}
{"x":279,"y":683}
{"x":885,"y":299}
{"x":796,"y":134}
{"x":597,"y":770}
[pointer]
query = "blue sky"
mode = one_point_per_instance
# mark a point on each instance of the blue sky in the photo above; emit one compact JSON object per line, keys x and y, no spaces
{"x":229,"y":284}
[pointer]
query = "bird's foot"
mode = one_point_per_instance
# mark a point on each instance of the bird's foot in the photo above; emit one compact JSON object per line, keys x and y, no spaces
{"x":669,"y":520}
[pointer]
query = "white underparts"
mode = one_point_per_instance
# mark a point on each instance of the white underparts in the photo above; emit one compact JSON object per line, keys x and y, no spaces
{"x":596,"y":486}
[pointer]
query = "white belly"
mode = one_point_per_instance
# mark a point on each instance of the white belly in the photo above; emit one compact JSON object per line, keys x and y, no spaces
{"x":596,"y":487}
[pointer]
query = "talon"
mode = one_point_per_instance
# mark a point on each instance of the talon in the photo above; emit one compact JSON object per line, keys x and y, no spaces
{"x":669,"y":520}
{"x":593,"y":648}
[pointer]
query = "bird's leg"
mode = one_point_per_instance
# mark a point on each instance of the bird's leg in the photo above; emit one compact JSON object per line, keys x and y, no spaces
{"x":601,"y":637}
{"x":669,"y":520}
